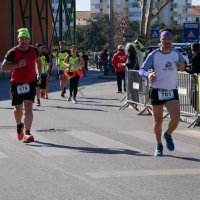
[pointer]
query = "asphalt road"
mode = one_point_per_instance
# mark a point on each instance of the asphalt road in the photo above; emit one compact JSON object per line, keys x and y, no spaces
{"x":94,"y":151}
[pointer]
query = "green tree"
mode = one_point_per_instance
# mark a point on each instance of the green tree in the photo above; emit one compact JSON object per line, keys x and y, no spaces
{"x":98,"y":29}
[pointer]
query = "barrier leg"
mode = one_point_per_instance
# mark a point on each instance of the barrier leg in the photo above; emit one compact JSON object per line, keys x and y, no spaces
{"x":148,"y":109}
{"x":193,"y":123}
{"x":124,"y":106}
{"x":123,"y":99}
{"x":165,"y":115}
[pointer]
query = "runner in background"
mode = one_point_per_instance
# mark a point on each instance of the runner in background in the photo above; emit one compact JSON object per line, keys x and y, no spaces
{"x":49,"y":69}
{"x":74,"y":63}
{"x":41,"y":88}
{"x":61,"y":54}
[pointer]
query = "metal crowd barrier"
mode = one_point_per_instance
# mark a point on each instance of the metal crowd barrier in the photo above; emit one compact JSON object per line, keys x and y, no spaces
{"x":137,"y":92}
{"x":189,"y":96}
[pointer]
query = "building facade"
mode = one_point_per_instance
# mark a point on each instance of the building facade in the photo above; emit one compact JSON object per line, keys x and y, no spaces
{"x":174,"y":13}
{"x":194,"y":16}
{"x":82,"y":17}
{"x":121,"y":8}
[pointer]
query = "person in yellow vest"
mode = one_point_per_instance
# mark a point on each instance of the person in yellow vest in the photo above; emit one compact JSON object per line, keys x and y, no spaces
{"x":139,"y":43}
{"x":61,"y":54}
{"x":74,"y":63}
{"x":41,"y":88}
{"x":46,"y":50}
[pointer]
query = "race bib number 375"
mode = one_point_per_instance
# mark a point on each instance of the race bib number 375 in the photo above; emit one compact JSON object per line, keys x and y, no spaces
{"x":23,"y":89}
{"x":165,"y":94}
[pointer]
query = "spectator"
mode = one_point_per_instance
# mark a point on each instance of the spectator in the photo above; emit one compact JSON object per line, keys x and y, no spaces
{"x":132,"y":62}
{"x":96,"y":60}
{"x":139,"y":41}
{"x":104,"y":61}
{"x":194,"y":68}
{"x":118,"y":61}
{"x":140,"y":57}
{"x":86,"y":59}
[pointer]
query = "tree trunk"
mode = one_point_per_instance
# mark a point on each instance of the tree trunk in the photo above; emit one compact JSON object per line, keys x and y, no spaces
{"x":148,"y":16}
{"x":143,"y":20}
{"x":149,"y":19}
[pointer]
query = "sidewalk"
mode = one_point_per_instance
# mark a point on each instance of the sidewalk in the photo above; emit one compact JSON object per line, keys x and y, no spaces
{"x":110,"y":75}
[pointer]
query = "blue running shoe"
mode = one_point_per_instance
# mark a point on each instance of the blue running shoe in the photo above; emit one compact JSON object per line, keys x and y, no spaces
{"x":159,"y":150}
{"x":169,"y":142}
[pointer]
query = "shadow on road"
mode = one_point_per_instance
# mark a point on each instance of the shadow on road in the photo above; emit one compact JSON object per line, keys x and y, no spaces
{"x":90,"y":149}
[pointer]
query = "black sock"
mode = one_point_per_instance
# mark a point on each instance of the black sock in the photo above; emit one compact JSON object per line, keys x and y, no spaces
{"x":19,"y":127}
{"x":27,"y":132}
{"x":159,"y":145}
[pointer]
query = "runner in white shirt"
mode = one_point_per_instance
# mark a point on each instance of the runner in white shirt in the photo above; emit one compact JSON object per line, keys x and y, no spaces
{"x":165,"y":62}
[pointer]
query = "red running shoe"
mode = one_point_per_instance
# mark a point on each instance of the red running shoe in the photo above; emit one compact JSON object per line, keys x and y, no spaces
{"x":28,"y":138}
{"x":20,"y":133}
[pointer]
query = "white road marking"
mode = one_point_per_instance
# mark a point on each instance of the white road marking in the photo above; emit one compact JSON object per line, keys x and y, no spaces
{"x":102,"y":141}
{"x":149,"y":137}
{"x":142,"y":173}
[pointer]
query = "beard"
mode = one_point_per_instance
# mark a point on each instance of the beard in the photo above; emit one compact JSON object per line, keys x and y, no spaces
{"x":23,"y":45}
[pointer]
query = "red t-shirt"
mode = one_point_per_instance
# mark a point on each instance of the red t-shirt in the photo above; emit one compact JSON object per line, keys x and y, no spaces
{"x":119,"y":57}
{"x":25,"y":74}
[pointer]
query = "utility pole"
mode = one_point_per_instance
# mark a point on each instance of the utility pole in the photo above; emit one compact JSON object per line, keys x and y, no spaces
{"x":111,"y":33}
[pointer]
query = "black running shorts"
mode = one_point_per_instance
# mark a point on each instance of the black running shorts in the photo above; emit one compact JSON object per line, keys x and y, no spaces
{"x":43,"y":82}
{"x":20,"y":92}
{"x":160,"y":96}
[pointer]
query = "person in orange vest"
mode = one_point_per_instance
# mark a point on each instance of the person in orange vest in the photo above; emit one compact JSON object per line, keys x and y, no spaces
{"x":74,"y":63}
{"x":118,"y":61}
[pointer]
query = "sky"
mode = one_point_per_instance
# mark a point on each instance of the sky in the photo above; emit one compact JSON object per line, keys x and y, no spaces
{"x":83,"y":5}
{"x":195,"y":2}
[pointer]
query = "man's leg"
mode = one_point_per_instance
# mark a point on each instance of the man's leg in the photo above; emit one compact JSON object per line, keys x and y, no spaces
{"x":124,"y":80}
{"x":173,"y":108}
{"x":158,"y":119}
{"x":28,"y":115}
{"x":157,"y":125}
{"x":28,"y":119}
{"x":18,"y":112}
{"x":119,"y":81}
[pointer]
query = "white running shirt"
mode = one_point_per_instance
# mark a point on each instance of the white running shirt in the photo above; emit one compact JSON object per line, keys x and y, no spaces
{"x":165,"y":68}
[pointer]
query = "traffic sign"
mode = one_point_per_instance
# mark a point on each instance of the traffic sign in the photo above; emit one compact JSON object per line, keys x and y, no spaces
{"x":123,"y":23}
{"x":191,"y":32}
{"x":154,"y":33}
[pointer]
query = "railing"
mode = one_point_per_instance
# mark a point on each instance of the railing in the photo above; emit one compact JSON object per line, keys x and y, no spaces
{"x":189,"y":95}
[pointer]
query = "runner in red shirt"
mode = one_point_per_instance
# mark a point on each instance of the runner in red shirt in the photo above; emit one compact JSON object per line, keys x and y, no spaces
{"x":21,"y":61}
